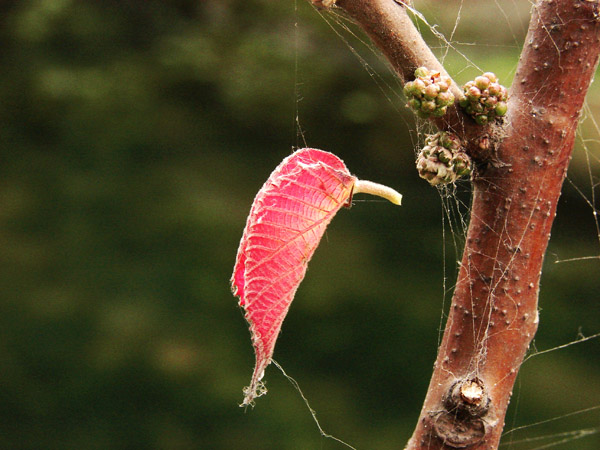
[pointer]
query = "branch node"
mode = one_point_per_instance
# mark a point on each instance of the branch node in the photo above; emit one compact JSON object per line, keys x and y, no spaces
{"x":466,"y":417}
{"x":454,"y":432}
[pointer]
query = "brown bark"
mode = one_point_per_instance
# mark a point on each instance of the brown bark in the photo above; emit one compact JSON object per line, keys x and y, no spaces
{"x":391,"y":29}
{"x":494,"y":313}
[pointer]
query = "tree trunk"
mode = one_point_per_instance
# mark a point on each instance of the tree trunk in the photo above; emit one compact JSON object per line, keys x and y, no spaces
{"x":494,"y":313}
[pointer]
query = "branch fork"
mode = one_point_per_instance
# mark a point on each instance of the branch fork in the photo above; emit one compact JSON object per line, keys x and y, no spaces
{"x":493,"y":315}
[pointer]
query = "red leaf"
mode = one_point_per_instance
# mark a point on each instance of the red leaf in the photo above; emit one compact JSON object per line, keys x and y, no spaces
{"x":286,"y":222}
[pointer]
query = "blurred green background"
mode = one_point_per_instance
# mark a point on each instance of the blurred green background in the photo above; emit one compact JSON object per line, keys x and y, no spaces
{"x":135,"y":135}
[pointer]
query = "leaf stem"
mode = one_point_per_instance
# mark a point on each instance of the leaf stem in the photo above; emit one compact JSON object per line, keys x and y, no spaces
{"x":368,"y":187}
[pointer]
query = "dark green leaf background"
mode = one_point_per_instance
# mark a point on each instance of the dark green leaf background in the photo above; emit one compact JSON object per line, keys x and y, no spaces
{"x":134,"y":137}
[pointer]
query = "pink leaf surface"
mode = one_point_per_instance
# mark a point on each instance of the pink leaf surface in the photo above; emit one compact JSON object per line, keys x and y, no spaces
{"x":287,"y":220}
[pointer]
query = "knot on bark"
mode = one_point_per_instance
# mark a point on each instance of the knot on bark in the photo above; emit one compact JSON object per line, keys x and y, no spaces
{"x":467,"y":398}
{"x":454,"y":432}
{"x":465,"y":419}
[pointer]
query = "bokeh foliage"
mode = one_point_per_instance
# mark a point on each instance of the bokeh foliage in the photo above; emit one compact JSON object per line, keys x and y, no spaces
{"x":134,"y":137}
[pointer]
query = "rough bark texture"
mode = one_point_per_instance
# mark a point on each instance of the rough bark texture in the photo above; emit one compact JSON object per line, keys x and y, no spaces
{"x":494,"y":313}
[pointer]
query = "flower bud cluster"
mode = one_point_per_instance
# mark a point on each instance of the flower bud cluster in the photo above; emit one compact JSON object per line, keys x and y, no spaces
{"x":429,"y":95}
{"x":443,"y":159}
{"x":485,"y":98}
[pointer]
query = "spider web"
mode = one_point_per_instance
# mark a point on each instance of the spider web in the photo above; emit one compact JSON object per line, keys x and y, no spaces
{"x":447,"y":26}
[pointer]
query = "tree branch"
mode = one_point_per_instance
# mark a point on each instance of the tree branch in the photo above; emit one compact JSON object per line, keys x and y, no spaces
{"x":494,"y":314}
{"x":387,"y":23}
{"x":390,"y":27}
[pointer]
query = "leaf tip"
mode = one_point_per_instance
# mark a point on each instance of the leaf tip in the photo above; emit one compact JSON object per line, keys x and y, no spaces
{"x":255,"y":390}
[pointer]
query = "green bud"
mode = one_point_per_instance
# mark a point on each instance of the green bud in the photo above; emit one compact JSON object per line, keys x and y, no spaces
{"x":440,"y":111}
{"x":481,"y":119}
{"x":431,"y":91}
{"x":419,"y":86}
{"x":445,"y":98}
{"x":463,"y":102}
{"x":490,"y":102}
{"x":462,"y":171}
{"x":482,"y":82}
{"x":449,"y":141}
{"x":483,"y":95}
{"x":414,"y":103}
{"x":494,"y":89}
{"x":491,"y":76}
{"x":501,"y":109}
{"x":428,"y":106}
{"x":473,"y":93}
{"x":445,"y":83}
{"x":442,"y":159}
{"x":421,"y":72}
{"x":444,"y":155}
{"x":503,"y":95}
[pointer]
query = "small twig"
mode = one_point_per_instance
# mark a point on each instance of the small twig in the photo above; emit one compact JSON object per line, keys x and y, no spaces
{"x":389,"y":25}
